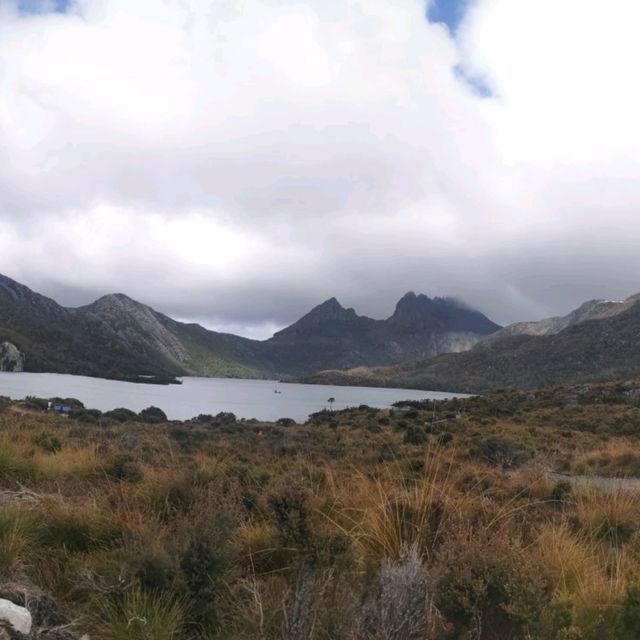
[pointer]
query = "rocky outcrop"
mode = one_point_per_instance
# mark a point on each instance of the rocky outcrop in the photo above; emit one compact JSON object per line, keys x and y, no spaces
{"x":10,"y":357}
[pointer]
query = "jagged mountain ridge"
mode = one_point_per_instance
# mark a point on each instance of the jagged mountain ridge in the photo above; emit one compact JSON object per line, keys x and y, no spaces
{"x":419,"y":327}
{"x":599,"y":342}
{"x":118,"y":336}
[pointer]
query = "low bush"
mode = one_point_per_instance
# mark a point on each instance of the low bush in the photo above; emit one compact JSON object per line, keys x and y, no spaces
{"x":124,"y":467}
{"x":503,"y":452}
{"x":48,"y":442}
{"x":291,"y":515}
{"x":494,"y":591}
{"x":121,"y":415}
{"x":415,"y":435}
{"x":32,"y":402}
{"x":204,"y":564}
{"x":153,"y":415}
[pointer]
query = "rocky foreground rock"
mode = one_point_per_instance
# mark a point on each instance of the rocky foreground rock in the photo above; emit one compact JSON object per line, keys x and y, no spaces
{"x":16,"y":617}
{"x":28,"y":612}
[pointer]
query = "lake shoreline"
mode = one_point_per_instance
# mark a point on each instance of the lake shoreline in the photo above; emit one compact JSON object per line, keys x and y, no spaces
{"x":265,"y":400}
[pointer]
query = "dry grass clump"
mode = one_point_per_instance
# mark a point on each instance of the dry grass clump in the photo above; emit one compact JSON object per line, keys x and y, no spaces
{"x":16,"y":536}
{"x":611,"y":513}
{"x":386,"y":515}
{"x":142,"y":615}
{"x":590,"y":578}
{"x":618,"y":458}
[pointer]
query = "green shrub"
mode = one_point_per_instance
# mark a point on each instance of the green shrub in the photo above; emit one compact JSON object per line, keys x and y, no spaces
{"x":121,"y":415}
{"x":48,"y":442}
{"x":152,"y":415}
{"x":32,"y":402}
{"x":495,"y":588}
{"x":503,"y":452}
{"x":90,"y":416}
{"x":291,"y":516}
{"x":204,"y":564}
{"x":156,"y":572}
{"x":124,"y":467}
{"x":415,"y":435}
{"x":175,"y":497}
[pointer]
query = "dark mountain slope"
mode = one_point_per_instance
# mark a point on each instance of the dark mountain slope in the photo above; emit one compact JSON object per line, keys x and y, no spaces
{"x":421,"y":313}
{"x":592,"y":350}
{"x":54,"y":338}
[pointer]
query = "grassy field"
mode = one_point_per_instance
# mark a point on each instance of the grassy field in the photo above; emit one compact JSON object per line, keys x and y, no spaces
{"x":467,"y":519}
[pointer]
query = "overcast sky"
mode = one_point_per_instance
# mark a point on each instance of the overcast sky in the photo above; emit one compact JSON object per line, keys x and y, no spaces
{"x":236,"y":162}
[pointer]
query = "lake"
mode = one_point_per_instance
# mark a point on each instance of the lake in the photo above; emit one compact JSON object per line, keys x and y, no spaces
{"x":245,"y":398}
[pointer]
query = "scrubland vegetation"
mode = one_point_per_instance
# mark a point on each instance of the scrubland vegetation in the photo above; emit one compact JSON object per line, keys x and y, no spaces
{"x":492,"y":518}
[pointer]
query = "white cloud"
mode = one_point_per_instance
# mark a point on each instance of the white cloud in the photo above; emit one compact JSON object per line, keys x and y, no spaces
{"x":242,"y":160}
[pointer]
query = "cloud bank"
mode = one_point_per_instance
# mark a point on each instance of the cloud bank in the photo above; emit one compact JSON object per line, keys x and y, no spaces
{"x":236,"y":162}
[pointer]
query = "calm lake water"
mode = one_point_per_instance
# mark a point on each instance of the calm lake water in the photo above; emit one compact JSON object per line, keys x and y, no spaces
{"x":245,"y":398}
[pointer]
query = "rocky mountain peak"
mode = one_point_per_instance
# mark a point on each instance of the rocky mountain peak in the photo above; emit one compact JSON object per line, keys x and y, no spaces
{"x":330,"y":309}
{"x":418,"y":312}
{"x":412,"y":304}
{"x":415,"y":308}
{"x":329,"y":316}
{"x":116,"y":301}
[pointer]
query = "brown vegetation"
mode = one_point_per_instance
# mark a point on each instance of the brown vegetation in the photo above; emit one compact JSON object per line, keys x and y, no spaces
{"x":462,"y":520}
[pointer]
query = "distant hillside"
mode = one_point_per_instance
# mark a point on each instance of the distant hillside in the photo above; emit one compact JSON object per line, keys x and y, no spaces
{"x":604,"y":347}
{"x":591,"y":310}
{"x":116,"y":336}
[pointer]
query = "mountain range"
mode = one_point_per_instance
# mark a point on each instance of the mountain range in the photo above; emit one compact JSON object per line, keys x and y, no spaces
{"x":116,"y":336}
{"x":598,"y":341}
{"x":427,"y":343}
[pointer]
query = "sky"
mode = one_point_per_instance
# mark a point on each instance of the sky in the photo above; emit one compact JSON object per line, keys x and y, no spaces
{"x":236,"y":162}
